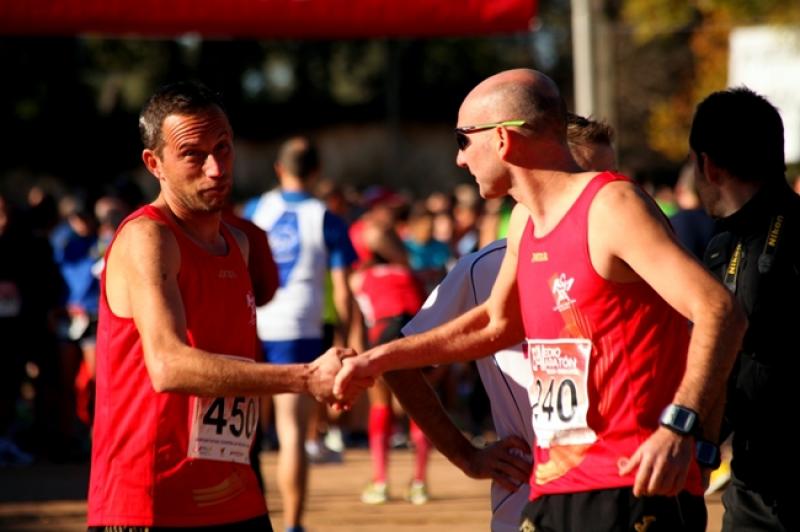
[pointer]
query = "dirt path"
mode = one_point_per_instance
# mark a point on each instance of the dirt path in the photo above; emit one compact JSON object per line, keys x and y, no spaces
{"x":50,"y":498}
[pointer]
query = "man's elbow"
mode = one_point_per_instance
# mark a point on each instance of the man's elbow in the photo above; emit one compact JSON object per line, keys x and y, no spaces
{"x":162,"y":374}
{"x":731,"y":318}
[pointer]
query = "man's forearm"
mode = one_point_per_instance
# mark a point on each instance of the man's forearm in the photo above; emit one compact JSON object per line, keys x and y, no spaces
{"x":716,"y":338}
{"x":421,"y":402}
{"x":712,"y":424}
{"x":200,"y":373}
{"x":470,"y":336}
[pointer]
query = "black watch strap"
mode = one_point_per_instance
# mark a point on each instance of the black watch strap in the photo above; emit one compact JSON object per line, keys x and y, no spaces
{"x":707,"y":454}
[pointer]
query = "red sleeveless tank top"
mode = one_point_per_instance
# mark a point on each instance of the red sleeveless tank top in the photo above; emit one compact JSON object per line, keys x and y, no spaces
{"x":607,"y":358}
{"x":389,"y":290}
{"x":172,"y":459}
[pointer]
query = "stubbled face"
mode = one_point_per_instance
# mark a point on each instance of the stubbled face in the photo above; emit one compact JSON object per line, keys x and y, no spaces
{"x":195,"y":165}
{"x":480,"y":158}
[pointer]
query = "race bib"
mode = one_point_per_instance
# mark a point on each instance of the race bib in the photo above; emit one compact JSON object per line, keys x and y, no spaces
{"x":558,"y":393}
{"x":223,"y":428}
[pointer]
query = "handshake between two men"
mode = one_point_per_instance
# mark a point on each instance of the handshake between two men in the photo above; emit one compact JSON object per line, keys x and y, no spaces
{"x":338,"y":376}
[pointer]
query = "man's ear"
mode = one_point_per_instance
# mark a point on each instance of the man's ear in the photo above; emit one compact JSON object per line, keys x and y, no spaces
{"x":502,"y":142}
{"x":152,"y":162}
{"x":714,"y":174}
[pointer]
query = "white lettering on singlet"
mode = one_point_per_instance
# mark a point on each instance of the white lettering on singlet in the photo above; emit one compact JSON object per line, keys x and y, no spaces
{"x":548,"y":358}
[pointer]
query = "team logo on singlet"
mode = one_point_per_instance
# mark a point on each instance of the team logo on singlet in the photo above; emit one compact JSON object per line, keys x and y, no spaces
{"x":561,"y":287}
{"x":284,"y":239}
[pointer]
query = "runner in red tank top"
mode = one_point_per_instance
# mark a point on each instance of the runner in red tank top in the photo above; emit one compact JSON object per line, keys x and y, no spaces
{"x":176,"y":386}
{"x":602,"y":354}
{"x":388,"y":295}
{"x":595,"y":280}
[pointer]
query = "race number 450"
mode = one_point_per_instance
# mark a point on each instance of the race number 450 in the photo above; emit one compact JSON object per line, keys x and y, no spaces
{"x":243,"y":416}
{"x":223,"y":428}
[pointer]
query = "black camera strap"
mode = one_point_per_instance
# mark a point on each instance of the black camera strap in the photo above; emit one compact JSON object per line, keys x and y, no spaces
{"x":765,"y":260}
{"x":767,"y":257}
{"x":732,"y":271}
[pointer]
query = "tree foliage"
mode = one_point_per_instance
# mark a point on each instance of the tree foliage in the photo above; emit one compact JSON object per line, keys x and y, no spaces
{"x":71,"y":104}
{"x":708,"y":24}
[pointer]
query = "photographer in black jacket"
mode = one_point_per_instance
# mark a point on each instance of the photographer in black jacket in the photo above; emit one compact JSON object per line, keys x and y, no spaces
{"x":737,"y":145}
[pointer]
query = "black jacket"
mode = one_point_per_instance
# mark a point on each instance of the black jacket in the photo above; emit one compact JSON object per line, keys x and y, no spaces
{"x":764,"y":388}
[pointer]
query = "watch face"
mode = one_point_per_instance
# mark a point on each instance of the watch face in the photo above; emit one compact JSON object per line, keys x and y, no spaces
{"x":681,"y":419}
{"x":684,"y":419}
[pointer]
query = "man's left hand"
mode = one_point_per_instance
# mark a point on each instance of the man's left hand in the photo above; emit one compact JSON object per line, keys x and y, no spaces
{"x":663,"y":462}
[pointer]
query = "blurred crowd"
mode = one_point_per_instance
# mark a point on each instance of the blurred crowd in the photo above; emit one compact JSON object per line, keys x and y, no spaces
{"x":52,"y":256}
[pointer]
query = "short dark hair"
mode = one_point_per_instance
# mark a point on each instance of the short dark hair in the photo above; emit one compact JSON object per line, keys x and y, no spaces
{"x":582,"y":131}
{"x":184,"y":97}
{"x":741,"y":132}
{"x":299,"y":157}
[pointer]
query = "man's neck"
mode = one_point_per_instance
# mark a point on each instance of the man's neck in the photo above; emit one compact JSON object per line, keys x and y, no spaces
{"x":548,"y":193}
{"x":203,"y":228}
{"x":736,"y":195}
{"x":290,"y":183}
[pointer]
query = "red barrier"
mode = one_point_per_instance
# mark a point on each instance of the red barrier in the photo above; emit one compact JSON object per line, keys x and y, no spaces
{"x":296,"y":19}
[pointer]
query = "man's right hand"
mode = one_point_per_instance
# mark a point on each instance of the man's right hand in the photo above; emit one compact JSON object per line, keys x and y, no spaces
{"x":356,"y":375}
{"x":506,"y":461}
{"x":323,"y":371}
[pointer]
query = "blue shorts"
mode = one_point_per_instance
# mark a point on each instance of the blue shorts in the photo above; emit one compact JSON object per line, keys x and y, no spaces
{"x":297,"y":351}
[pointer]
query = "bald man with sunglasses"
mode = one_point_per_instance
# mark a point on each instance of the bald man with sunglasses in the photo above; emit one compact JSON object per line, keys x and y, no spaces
{"x":504,"y":374}
{"x":595,"y":283}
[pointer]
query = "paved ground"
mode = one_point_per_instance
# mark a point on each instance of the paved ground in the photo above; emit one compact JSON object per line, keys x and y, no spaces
{"x":51,"y":498}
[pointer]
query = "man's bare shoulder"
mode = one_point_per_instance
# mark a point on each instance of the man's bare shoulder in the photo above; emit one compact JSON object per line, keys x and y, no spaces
{"x":623,"y":196}
{"x":144,"y":230}
{"x":145,"y":253}
{"x":519,"y":215}
{"x":143,"y":242}
{"x":516,"y":225}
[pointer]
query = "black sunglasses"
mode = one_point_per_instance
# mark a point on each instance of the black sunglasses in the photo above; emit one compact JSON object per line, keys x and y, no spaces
{"x":462,"y":140}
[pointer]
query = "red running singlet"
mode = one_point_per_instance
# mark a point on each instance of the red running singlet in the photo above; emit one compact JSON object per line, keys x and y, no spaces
{"x":606,"y":357}
{"x":172,"y":459}
{"x":389,"y":290}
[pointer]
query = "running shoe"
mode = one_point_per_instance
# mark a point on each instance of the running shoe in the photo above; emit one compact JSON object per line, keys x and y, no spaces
{"x":417,"y":493}
{"x":320,"y":454}
{"x":334,"y":439}
{"x":375,"y":493}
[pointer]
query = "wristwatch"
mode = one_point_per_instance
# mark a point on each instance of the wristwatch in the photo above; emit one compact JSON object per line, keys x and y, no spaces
{"x":680,"y":420}
{"x":707,"y":454}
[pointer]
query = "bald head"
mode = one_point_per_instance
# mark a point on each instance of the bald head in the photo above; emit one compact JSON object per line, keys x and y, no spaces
{"x":520,"y":94}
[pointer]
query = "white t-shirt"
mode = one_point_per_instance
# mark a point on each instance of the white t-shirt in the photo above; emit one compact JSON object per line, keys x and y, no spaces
{"x":506,"y":375}
{"x":296,"y":238}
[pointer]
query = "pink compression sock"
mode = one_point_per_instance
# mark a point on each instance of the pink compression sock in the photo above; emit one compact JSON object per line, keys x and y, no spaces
{"x":380,"y":421}
{"x":422,"y":449}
